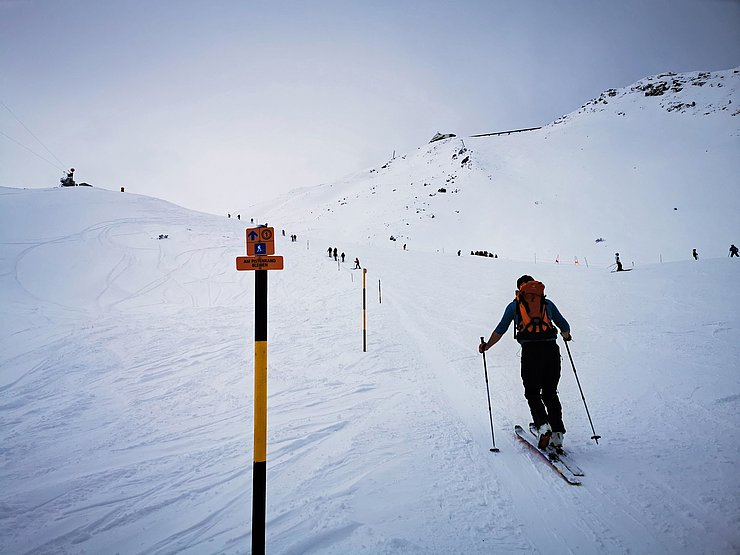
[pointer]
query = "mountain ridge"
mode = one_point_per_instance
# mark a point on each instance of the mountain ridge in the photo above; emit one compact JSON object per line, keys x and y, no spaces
{"x":652,"y":183}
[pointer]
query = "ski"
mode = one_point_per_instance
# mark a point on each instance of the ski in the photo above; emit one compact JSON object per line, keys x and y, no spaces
{"x":567,"y":460}
{"x":561,"y":454}
{"x":551,"y":458}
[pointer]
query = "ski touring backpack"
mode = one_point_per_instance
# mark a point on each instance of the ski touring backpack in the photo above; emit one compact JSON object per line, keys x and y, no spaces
{"x":531,"y":318}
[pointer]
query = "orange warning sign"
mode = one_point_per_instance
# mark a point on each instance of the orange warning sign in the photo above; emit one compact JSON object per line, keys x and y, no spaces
{"x":260,"y":241}
{"x":259,"y":263}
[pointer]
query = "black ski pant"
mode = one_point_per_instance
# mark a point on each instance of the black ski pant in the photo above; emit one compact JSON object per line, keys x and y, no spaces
{"x":540,"y":376}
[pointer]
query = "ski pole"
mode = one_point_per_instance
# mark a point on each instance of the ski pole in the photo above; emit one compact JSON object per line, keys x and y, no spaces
{"x":493,"y":449}
{"x":595,"y":437}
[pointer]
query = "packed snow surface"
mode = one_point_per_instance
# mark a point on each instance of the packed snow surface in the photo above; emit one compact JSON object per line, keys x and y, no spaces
{"x":126,"y":395}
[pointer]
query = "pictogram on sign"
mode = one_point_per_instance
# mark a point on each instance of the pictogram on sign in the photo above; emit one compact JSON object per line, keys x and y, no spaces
{"x":260,"y":241}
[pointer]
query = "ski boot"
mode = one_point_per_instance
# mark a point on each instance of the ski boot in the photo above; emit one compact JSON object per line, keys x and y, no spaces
{"x":543,"y":434}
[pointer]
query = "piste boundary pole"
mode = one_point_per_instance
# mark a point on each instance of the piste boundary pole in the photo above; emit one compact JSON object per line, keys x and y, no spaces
{"x":364,"y":311}
{"x":259,"y":472}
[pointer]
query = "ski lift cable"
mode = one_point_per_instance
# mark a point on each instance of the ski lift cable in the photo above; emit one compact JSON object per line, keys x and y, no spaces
{"x":32,"y":134}
{"x":32,"y":151}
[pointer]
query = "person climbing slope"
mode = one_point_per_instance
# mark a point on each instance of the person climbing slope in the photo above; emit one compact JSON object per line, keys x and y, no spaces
{"x":534,"y":319}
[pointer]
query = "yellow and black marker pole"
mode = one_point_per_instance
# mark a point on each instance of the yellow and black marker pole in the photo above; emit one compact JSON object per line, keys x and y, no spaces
{"x":260,"y":259}
{"x":364,"y":311}
{"x":259,"y":472}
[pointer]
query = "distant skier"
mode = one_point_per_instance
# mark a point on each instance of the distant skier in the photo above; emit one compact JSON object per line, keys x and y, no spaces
{"x":228,"y":215}
{"x":238,"y":216}
{"x":695,"y":254}
{"x":335,"y":253}
{"x":357,"y":264}
{"x":458,"y":252}
{"x":619,"y":263}
{"x":329,"y":251}
{"x":733,"y":251}
{"x":342,"y":257}
{"x":533,"y":316}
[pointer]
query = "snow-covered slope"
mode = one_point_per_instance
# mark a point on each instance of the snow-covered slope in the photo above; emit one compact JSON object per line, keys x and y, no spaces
{"x":651,"y":169}
{"x":126,"y":394}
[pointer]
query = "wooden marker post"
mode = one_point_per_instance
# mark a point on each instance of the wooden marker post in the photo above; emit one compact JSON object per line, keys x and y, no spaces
{"x":260,"y":251}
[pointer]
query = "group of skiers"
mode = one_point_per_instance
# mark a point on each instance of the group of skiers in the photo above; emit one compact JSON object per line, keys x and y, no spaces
{"x":694,"y":253}
{"x":485,"y":254}
{"x":733,"y":252}
{"x":293,"y":237}
{"x":239,"y":217}
{"x":333,"y":253}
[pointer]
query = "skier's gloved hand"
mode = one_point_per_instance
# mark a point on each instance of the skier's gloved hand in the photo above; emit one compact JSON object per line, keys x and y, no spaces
{"x":566,"y":336}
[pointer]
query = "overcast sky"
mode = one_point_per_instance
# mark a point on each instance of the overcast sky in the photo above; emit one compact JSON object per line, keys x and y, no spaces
{"x":218,"y":104}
